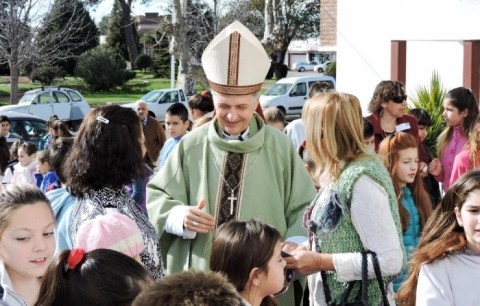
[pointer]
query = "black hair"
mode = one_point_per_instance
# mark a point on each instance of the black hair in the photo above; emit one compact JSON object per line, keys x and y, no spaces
{"x":102,"y":277}
{"x":4,"y":154}
{"x":59,"y":150}
{"x":178,"y":109}
{"x":202,"y":101}
{"x":29,"y":148}
{"x":368,"y":130}
{"x":4,"y":118}
{"x":106,"y":151}
{"x":423,"y":118}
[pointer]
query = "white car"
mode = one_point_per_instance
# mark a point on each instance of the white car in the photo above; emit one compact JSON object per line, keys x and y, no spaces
{"x":160,"y":100}
{"x":322,"y":67}
{"x":68,"y":104}
{"x":289,"y":94}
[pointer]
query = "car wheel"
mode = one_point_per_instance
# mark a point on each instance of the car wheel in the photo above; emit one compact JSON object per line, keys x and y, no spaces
{"x":282,"y":109}
{"x":320,"y":70}
{"x":301,"y":69}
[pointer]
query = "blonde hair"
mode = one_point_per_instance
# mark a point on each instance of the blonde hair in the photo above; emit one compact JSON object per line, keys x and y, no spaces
{"x":334,"y":132}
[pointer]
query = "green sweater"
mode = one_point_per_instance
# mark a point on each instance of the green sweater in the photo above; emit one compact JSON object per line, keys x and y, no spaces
{"x":341,"y":236}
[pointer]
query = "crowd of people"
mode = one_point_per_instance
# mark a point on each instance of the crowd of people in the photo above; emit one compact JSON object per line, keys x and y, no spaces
{"x":231,"y":205}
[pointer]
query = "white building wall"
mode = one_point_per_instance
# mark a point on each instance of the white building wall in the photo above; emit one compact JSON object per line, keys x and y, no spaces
{"x":433,"y":29}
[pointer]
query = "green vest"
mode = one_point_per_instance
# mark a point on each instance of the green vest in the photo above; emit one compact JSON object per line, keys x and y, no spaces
{"x":342,"y":236}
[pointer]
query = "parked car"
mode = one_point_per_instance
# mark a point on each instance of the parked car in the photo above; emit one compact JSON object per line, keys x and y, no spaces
{"x":68,"y":104}
{"x":28,"y":127}
{"x":289,"y":94}
{"x":322,"y":67}
{"x":160,"y":100}
{"x":304,"y":66}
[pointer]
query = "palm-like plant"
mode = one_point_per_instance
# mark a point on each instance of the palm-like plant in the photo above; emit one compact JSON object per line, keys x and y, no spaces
{"x":430,"y":98}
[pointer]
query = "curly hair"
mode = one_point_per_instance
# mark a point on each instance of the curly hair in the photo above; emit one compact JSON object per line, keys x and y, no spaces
{"x":384,"y":92}
{"x":106,"y":152}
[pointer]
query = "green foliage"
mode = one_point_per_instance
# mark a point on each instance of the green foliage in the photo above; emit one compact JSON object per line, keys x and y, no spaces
{"x":143,"y":61}
{"x":331,"y":69}
{"x":85,"y":36}
{"x":430,"y":98}
{"x":116,"y":32}
{"x":46,"y":74}
{"x":103,"y":68}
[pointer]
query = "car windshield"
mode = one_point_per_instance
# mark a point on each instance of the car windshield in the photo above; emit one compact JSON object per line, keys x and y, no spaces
{"x":27,"y":98}
{"x":278,"y":89}
{"x":152,"y":96}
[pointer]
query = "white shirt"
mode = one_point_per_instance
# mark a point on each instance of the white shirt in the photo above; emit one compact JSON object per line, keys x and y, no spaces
{"x":373,"y":221}
{"x":295,"y":130}
{"x":453,"y":280}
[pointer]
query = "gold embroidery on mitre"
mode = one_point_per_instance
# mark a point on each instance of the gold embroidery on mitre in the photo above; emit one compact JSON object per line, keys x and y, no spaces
{"x":234,"y":59}
{"x":235,"y":90}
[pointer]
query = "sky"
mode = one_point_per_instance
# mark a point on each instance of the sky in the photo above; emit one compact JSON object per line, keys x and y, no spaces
{"x":105,"y":7}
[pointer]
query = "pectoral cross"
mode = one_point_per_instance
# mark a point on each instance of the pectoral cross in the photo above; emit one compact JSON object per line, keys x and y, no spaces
{"x":232,"y":199}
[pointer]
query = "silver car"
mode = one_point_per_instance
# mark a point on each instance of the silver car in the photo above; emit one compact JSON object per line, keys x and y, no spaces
{"x":304,"y":66}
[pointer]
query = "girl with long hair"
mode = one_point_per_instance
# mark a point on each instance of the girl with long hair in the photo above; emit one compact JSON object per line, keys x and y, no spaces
{"x":460,"y":113}
{"x":400,"y":156}
{"x":445,"y":268}
{"x":469,"y":158}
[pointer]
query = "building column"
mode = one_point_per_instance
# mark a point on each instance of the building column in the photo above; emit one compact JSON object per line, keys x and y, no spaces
{"x":471,"y":66}
{"x":399,"y":61}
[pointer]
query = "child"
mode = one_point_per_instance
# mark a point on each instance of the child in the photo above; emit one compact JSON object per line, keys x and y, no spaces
{"x":112,"y":231}
{"x":274,"y":117}
{"x":201,"y":105}
{"x":400,"y":156}
{"x":424,"y":122}
{"x":368,"y":134}
{"x":445,"y":269}
{"x":47,"y":139}
{"x":469,"y":158}
{"x":97,"y":278}
{"x":27,"y":242}
{"x":12,"y":162}
{"x":24,"y":171}
{"x":249,"y":254}
{"x":460,"y":113}
{"x":46,"y":178}
{"x":176,"y":121}
{"x":190,"y":288}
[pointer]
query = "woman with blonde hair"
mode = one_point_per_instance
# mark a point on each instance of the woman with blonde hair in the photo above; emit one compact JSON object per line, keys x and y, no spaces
{"x":356,"y":209}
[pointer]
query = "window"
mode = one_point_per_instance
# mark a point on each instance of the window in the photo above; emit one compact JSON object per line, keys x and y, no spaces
{"x":300,"y":90}
{"x":74,"y":96}
{"x":61,"y":97}
{"x":45,"y":98}
{"x":182,"y":95}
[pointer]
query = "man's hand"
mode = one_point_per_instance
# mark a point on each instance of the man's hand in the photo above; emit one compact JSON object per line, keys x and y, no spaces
{"x":304,"y":262}
{"x":196,"y":220}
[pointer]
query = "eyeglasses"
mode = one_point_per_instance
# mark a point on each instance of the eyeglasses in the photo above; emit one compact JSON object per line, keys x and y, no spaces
{"x":288,"y":276}
{"x":399,"y":99}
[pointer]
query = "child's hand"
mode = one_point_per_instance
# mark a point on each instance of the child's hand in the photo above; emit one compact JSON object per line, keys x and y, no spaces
{"x":435,"y":167}
{"x":423,"y":169}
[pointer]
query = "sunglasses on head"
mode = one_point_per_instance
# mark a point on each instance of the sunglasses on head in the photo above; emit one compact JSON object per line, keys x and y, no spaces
{"x":399,"y":99}
{"x":288,"y":277}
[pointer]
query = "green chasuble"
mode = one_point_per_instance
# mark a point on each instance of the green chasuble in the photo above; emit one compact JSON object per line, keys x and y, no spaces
{"x":274,"y":187}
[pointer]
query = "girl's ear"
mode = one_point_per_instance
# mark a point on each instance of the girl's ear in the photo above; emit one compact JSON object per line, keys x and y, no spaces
{"x":255,"y":277}
{"x":458,"y":216}
{"x":465,"y":112}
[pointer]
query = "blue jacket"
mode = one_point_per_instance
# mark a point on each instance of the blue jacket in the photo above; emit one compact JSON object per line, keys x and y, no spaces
{"x":411,"y":236}
{"x":62,"y":203}
{"x":48,"y":181}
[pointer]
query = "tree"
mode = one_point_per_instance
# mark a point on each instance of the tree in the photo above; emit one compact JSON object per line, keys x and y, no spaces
{"x":116,"y":37}
{"x":103,"y":68}
{"x":248,"y":12}
{"x":127,"y":26}
{"x":86,"y":38}
{"x":194,"y":28}
{"x":286,"y":20}
{"x":143,"y":61}
{"x":103,"y":25}
{"x":20,"y":44}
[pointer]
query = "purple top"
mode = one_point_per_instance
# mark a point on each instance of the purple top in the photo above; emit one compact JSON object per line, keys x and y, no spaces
{"x":453,"y":147}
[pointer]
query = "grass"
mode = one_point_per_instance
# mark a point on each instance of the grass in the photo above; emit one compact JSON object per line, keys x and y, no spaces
{"x":132,"y":91}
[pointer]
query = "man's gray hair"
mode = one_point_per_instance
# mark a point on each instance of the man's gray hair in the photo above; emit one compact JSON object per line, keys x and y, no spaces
{"x":142,"y":103}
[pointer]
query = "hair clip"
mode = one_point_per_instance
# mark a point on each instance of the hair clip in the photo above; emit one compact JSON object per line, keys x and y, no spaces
{"x":103,"y":119}
{"x":470,"y":90}
{"x":204,"y":94}
{"x":74,"y":258}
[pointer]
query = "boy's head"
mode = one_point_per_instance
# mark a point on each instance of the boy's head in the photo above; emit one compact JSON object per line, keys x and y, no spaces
{"x":176,"y":120}
{"x":368,"y":134}
{"x":424,"y":121}
{"x":274,"y":117}
{"x":4,"y":126}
